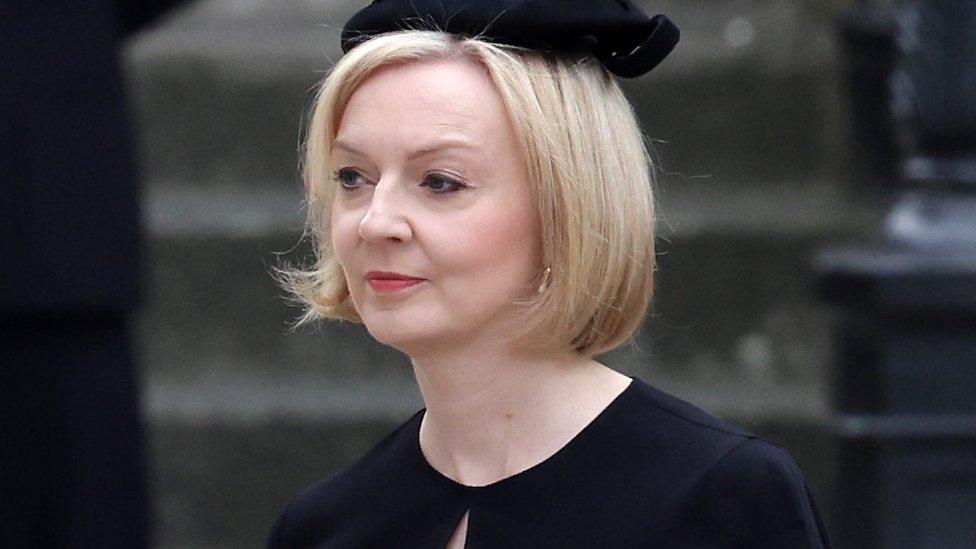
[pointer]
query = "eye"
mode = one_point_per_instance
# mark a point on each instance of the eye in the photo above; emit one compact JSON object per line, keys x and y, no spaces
{"x":349,"y":178}
{"x":441,"y":184}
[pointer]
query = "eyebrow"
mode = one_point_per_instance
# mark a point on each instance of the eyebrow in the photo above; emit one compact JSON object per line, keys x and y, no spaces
{"x":437,"y":146}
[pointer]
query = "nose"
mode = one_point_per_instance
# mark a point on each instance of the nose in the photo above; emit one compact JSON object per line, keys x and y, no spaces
{"x":385,"y":217}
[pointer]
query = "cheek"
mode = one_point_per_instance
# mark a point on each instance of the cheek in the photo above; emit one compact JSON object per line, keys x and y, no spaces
{"x":344,"y":234}
{"x":501,"y":244}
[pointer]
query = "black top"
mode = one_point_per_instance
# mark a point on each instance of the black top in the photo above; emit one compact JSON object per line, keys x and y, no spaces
{"x":649,"y":471}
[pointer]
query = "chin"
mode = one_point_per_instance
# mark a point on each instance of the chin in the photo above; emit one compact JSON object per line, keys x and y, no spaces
{"x":406,"y":343}
{"x":405,"y":336}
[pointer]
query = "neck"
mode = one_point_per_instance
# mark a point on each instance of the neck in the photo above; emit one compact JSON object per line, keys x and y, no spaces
{"x":494,"y":412}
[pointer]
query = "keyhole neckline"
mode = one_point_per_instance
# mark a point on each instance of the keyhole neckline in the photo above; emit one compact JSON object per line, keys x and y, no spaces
{"x":549,"y":462}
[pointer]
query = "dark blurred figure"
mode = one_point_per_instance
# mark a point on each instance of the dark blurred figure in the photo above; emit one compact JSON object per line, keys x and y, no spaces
{"x":72,"y":457}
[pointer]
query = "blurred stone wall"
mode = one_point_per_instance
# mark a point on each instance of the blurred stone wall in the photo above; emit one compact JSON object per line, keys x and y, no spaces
{"x":747,"y":121}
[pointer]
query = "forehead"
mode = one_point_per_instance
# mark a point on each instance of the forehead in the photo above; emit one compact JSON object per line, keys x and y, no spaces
{"x":423,"y":100}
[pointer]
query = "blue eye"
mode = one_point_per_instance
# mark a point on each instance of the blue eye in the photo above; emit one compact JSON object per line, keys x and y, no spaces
{"x":349,"y":178}
{"x":439,"y":184}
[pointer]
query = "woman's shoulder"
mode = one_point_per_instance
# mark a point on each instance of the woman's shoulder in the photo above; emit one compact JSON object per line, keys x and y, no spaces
{"x":705,"y":446}
{"x":673,"y":429}
{"x":736,"y":485}
{"x":347,"y":493}
{"x":757,"y":495}
{"x":671,"y":409}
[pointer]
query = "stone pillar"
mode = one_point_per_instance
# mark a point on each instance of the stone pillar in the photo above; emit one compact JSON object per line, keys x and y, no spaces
{"x":905,"y":379}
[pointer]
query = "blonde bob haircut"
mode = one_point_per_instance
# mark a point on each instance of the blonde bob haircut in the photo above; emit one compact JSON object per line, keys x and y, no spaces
{"x":592,"y":187}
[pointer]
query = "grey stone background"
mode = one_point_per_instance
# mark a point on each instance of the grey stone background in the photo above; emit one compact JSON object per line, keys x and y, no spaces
{"x":748,"y":122}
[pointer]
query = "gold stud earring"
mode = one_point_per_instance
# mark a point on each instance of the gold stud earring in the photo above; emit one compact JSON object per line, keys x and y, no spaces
{"x":545,"y":280}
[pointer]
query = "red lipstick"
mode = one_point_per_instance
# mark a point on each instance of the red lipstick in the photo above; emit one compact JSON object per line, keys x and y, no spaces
{"x":386,"y":282}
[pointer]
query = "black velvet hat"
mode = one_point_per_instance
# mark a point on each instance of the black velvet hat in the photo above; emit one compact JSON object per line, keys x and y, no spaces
{"x":625,"y":40}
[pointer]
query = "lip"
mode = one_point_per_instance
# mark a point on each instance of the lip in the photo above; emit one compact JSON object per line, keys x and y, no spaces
{"x":386,"y":286}
{"x":386,"y":282}
{"x":389,"y":275}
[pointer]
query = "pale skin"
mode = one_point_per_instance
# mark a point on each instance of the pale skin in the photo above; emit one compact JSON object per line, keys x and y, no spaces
{"x":460,"y":217}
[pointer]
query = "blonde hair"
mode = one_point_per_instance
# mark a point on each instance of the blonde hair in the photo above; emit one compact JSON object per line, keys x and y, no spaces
{"x":585,"y":154}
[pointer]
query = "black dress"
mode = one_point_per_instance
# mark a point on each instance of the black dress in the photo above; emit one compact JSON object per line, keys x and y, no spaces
{"x":649,"y":471}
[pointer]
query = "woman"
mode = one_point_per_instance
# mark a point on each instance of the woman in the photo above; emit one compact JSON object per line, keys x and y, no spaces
{"x":484,"y":205}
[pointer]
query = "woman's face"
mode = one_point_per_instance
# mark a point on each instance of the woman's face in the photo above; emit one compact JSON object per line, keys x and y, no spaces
{"x":432,"y":187}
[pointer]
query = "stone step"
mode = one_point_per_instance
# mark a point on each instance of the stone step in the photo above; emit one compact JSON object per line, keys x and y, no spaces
{"x":774,"y":33}
{"x":730,"y":306}
{"x":685,"y":206}
{"x":751,"y":93}
{"x":213,"y":311}
{"x":221,"y":485}
{"x":237,"y":401}
{"x":243,"y":412}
